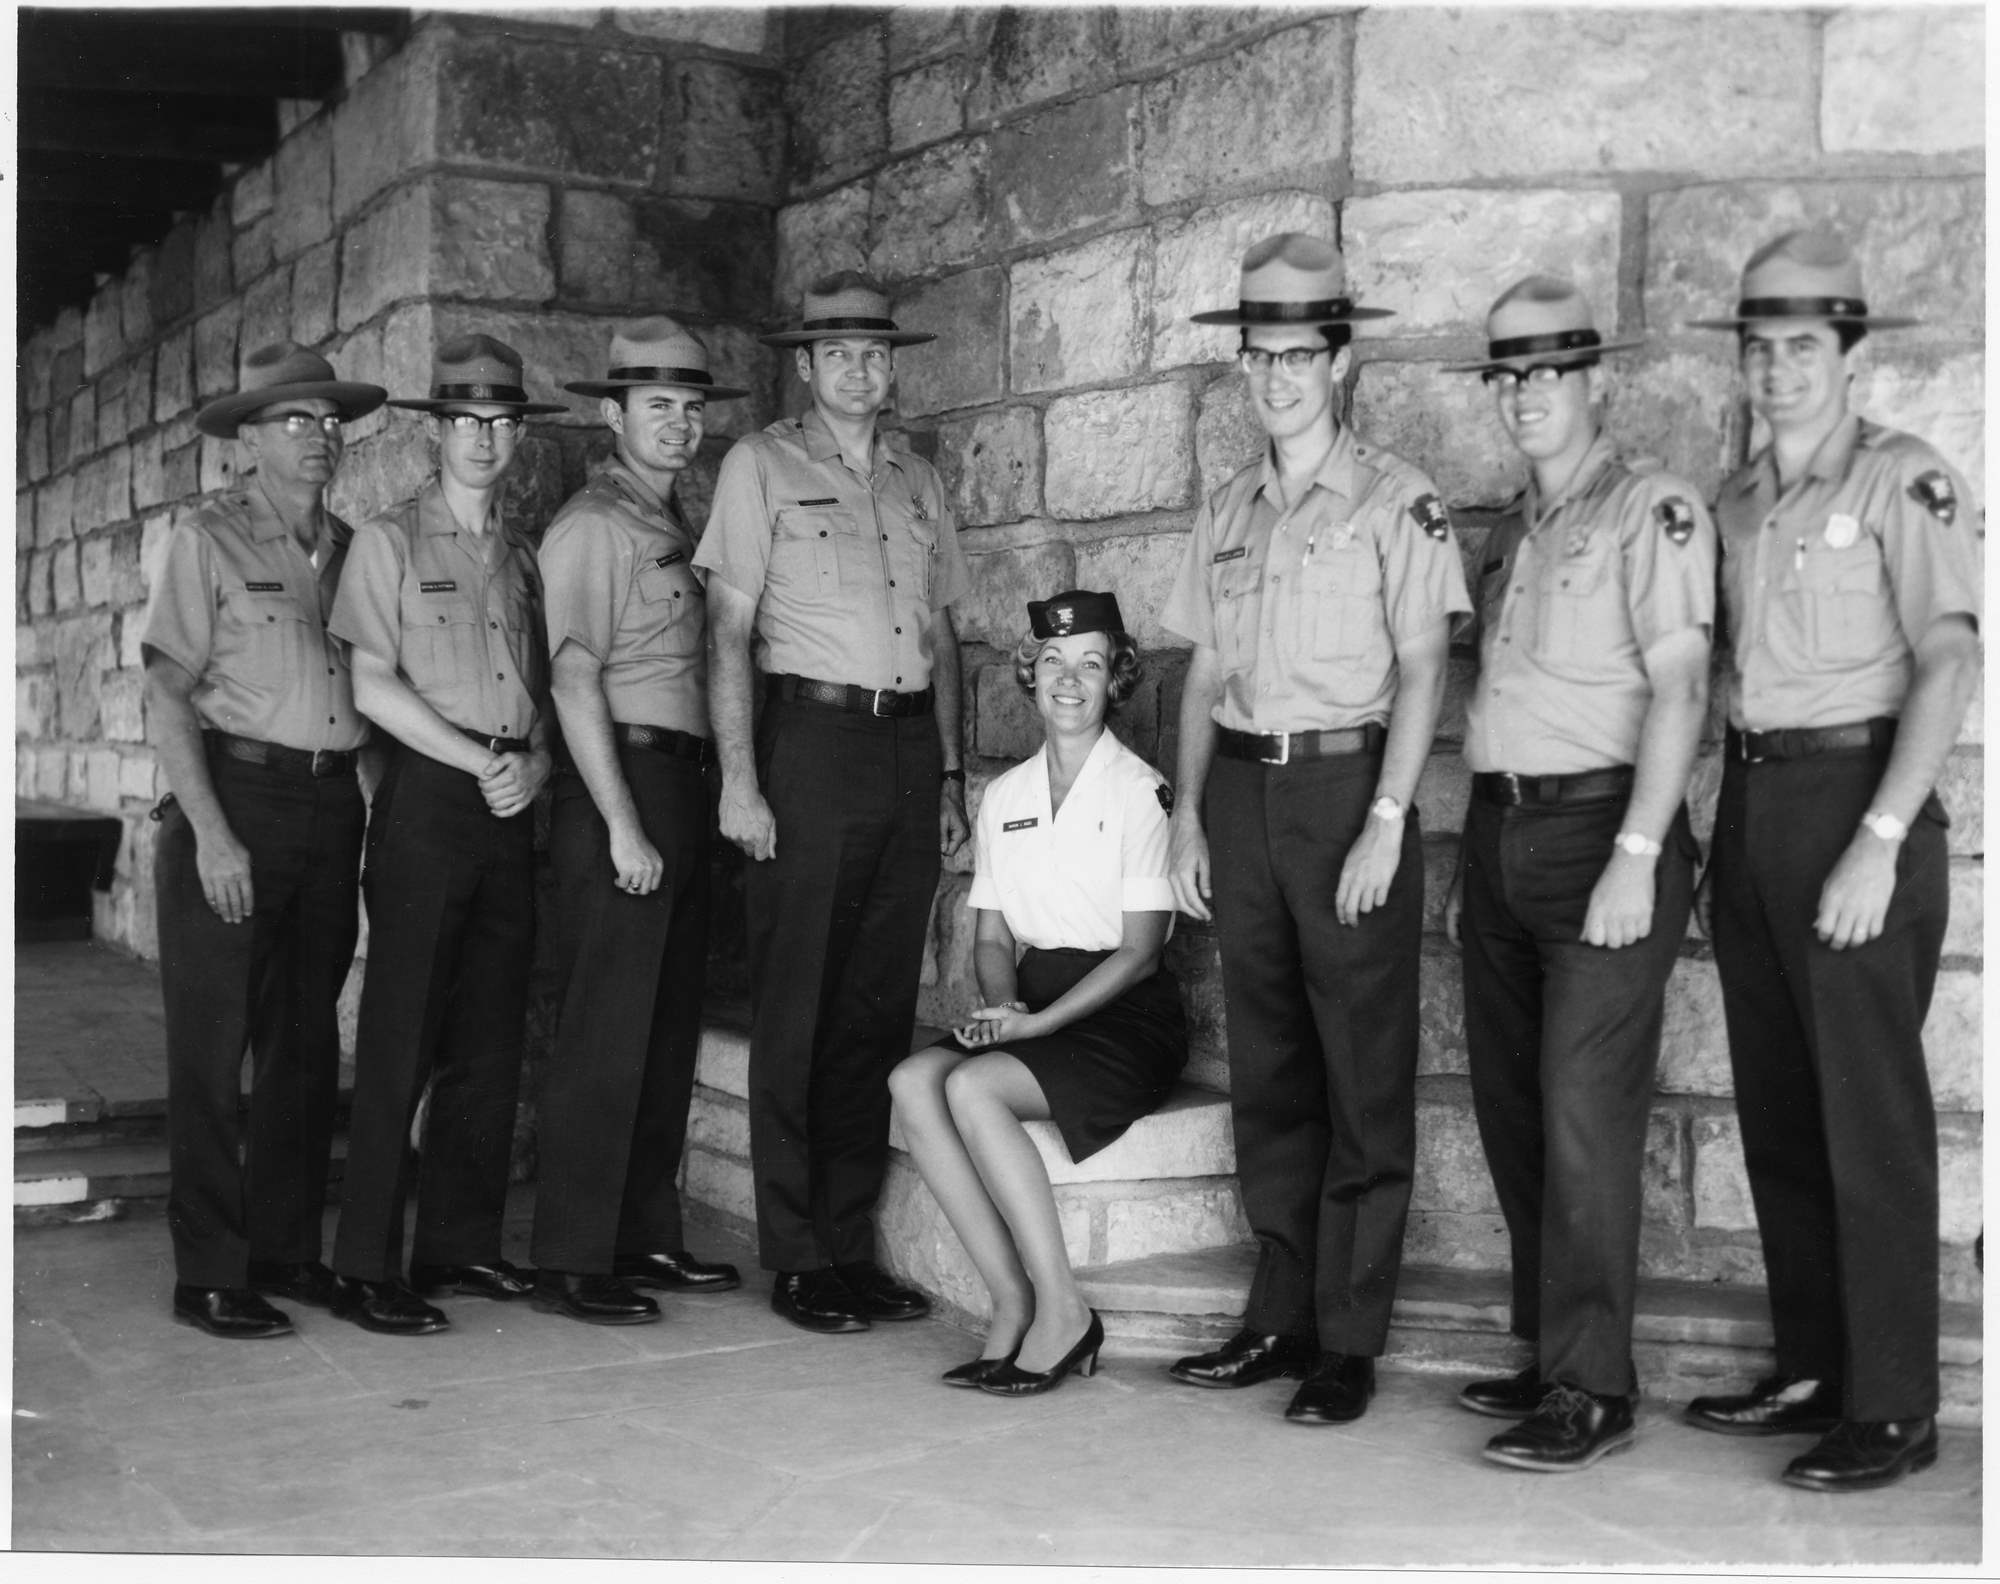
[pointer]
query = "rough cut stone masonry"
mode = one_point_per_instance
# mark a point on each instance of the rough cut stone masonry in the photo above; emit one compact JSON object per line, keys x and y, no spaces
{"x":1053,"y":191}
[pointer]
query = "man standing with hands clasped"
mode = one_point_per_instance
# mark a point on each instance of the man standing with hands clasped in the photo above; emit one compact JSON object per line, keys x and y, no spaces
{"x":1318,"y":590}
{"x":1851,"y":572}
{"x":832,"y":563}
{"x":1576,"y":868}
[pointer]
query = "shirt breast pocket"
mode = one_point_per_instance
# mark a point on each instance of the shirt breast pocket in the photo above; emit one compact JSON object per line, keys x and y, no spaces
{"x":1340,"y":602}
{"x":921,"y":542}
{"x":441,"y":633}
{"x":275,"y":629}
{"x":1574,"y":619}
{"x":809,"y":542}
{"x":1848,"y":612}
{"x":1238,"y":609}
{"x":670,"y":600}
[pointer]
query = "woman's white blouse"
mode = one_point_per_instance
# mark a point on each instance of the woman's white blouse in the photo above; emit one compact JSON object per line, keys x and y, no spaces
{"x":1069,"y":879}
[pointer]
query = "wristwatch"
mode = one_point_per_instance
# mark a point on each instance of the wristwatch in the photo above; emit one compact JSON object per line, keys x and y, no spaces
{"x":1385,"y":808}
{"x":1638,"y":846}
{"x":1885,"y":827}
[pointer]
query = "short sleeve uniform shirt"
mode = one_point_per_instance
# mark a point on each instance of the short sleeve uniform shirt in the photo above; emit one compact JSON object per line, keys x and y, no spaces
{"x":846,"y":570}
{"x":459,"y":618}
{"x":618,"y":580}
{"x":1831,"y":584}
{"x":1305,"y":607}
{"x":1572,"y":592}
{"x":1068,"y":879}
{"x":241,"y":606}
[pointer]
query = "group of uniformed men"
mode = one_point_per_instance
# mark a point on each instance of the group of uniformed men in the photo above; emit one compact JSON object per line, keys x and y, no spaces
{"x":1320,"y":590}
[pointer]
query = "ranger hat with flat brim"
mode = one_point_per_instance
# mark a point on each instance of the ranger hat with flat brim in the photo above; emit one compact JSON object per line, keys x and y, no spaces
{"x":1542,"y":319}
{"x":846,"y":307}
{"x":1809,"y":274}
{"x":476,"y":368}
{"x":1294,"y":279}
{"x":281,"y":372}
{"x":1074,"y":611}
{"x":657,"y":351}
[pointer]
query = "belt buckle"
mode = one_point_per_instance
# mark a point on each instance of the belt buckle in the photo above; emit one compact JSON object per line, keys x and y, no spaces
{"x":1284,"y":750}
{"x":875,"y":703}
{"x":1510,"y":785}
{"x":317,"y":755}
{"x":1749,"y":756}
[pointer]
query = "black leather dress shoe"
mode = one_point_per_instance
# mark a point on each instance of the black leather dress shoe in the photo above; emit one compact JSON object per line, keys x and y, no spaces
{"x":1247,"y":1359}
{"x":596,"y":1300}
{"x":388,"y":1307}
{"x":1514,"y":1397}
{"x":234,"y":1312}
{"x":1860,"y":1455}
{"x":303,"y":1281}
{"x":1571,"y":1430}
{"x":1336,"y":1392}
{"x":881,"y":1296}
{"x":979,"y":1371}
{"x":676,"y":1271}
{"x":499,"y":1280}
{"x":1781,"y":1405}
{"x":817,"y":1300}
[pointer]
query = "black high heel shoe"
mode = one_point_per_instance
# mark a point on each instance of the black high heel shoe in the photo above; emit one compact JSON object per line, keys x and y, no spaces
{"x":979,"y":1371}
{"x":1010,"y":1380}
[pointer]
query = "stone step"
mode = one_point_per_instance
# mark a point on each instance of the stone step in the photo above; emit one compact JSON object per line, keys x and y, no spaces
{"x":103,"y":1181}
{"x":1688,"y":1338}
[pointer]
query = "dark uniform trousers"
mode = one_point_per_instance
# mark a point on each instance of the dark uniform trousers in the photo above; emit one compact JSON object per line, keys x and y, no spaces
{"x":1322,"y":1021}
{"x":1839,"y":1134}
{"x":1564,"y":1042}
{"x":615,"y":1094}
{"x":451,"y":927}
{"x":835,"y":926}
{"x":271,"y":983}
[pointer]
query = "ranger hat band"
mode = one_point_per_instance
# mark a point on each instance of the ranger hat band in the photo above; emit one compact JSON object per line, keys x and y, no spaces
{"x":1810,"y":274}
{"x":477,"y":368}
{"x":280,"y":372}
{"x":846,"y":306}
{"x":1292,"y":278}
{"x":657,"y":351}
{"x":1075,"y":611}
{"x":1541,"y":316}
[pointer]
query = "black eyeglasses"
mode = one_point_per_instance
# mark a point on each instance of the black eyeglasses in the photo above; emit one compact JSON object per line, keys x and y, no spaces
{"x":1543,"y":374}
{"x":299,"y":424}
{"x":469,"y":423}
{"x":1294,"y":360}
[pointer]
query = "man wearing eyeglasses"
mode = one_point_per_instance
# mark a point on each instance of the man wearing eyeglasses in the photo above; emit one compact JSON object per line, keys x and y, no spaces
{"x":1318,"y":589}
{"x":1576,"y":868}
{"x":440,"y":609}
{"x":628,"y":840}
{"x":257,"y":866}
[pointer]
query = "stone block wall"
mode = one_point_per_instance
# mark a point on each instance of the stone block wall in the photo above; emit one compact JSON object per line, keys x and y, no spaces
{"x":1055,"y":192}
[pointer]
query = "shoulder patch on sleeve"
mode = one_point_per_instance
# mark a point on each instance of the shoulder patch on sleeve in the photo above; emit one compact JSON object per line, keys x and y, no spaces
{"x":1934,"y":493}
{"x":1677,"y":517}
{"x":1430,"y":515}
{"x":1165,"y":794}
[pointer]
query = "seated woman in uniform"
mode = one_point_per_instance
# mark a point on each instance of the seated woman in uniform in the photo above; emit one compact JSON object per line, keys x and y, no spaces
{"x":1079,"y":1022}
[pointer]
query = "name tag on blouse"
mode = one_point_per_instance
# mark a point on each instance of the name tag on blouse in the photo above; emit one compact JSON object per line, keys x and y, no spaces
{"x":442,"y":586}
{"x":1231,"y":555}
{"x":1023,"y":824}
{"x":669,"y":560}
{"x":263,"y":588}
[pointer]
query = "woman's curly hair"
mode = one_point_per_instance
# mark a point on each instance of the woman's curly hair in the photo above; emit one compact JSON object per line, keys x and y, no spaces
{"x":1125,"y":670}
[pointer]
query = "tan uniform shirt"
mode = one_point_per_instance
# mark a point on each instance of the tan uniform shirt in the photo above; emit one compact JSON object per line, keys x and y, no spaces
{"x":1305,"y":607}
{"x":460,"y":619}
{"x":1831,"y":584}
{"x":1573,"y":592}
{"x":846,"y":570}
{"x":618,"y":581}
{"x":240,"y":606}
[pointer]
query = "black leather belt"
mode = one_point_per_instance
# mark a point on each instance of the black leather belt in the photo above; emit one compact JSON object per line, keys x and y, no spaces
{"x":1278,"y":748}
{"x":665,"y":740}
{"x":496,"y":744}
{"x":1541,"y":791}
{"x":316,"y":762}
{"x":884,"y":703}
{"x":1802,"y":742}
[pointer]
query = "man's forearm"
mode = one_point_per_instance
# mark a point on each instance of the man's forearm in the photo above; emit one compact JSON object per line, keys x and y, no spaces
{"x":945,"y":686}
{"x":1413,"y":717}
{"x":731,"y":677}
{"x":1670,"y":734}
{"x":396,"y":707}
{"x":589,"y":737}
{"x":1947,"y":670}
{"x":174,"y":729}
{"x":1200,"y":693}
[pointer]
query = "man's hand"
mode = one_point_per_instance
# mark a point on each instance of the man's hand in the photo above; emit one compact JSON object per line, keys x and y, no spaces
{"x":510,"y":781}
{"x":1187,"y":863}
{"x":223,"y":863}
{"x":1854,"y":902}
{"x":952,"y":829}
{"x":638,"y":862}
{"x":747,"y":821}
{"x":1370,"y":868}
{"x":1621,"y":903}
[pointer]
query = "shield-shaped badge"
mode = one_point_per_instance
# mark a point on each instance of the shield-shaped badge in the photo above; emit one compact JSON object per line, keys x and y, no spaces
{"x":1934,"y":493}
{"x":1677,"y":517}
